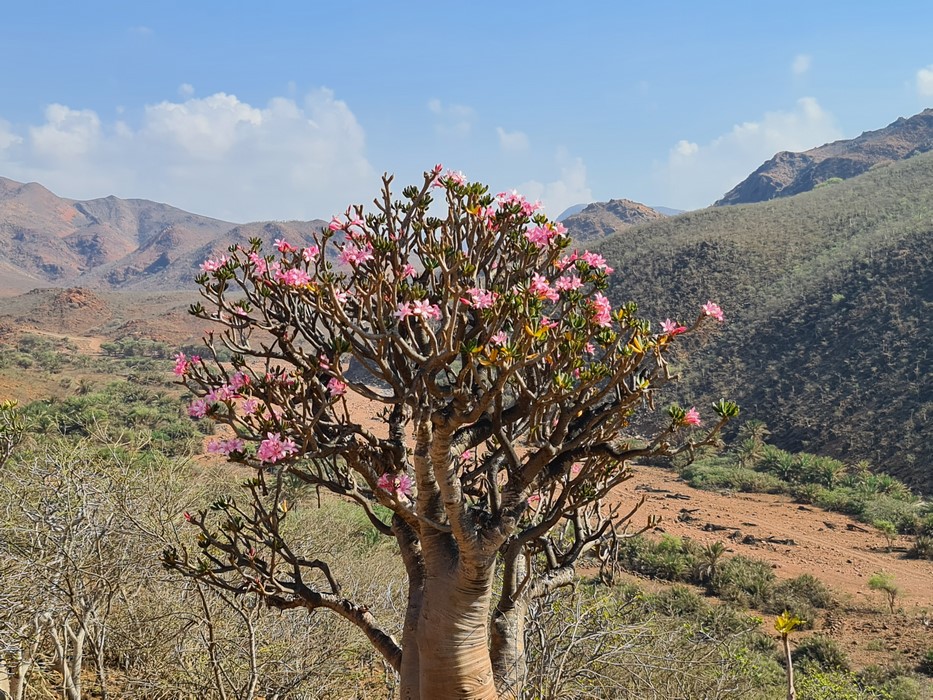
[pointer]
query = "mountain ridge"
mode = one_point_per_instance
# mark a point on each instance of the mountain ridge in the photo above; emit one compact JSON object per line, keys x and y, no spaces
{"x":788,"y":173}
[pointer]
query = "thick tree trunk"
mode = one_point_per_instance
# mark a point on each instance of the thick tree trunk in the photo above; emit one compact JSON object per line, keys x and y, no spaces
{"x":507,"y":647}
{"x":453,"y":634}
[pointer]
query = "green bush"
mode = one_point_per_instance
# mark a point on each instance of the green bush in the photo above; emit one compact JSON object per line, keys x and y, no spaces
{"x":819,"y":653}
{"x":704,"y":475}
{"x":744,"y":581}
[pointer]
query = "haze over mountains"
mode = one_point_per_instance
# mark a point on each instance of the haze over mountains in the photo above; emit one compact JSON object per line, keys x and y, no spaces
{"x":828,"y":293}
{"x":113,"y":243}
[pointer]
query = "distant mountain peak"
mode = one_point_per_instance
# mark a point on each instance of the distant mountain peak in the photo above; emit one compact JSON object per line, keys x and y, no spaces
{"x":789,"y":173}
{"x":601,"y":219}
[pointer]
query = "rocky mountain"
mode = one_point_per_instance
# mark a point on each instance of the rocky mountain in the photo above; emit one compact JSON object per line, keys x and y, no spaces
{"x":113,"y":243}
{"x":828,"y":299}
{"x":790,"y":173}
{"x":601,"y":219}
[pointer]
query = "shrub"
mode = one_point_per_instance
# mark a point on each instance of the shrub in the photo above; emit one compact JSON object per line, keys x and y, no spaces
{"x":884,"y":582}
{"x":745,"y":581}
{"x":820,"y":653}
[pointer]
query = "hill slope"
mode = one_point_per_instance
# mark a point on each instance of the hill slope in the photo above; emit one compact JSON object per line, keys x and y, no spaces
{"x":601,"y":219}
{"x":790,"y":173}
{"x":828,"y":296}
{"x":112,"y":243}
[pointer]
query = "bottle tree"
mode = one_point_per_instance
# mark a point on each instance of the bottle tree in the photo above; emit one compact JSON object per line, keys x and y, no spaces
{"x":507,"y":383}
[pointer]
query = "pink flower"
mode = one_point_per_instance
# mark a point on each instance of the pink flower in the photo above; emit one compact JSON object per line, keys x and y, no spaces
{"x":691,"y":417}
{"x":198,"y":408}
{"x":239,"y":380}
{"x":323,"y":362}
{"x":422,"y":308}
{"x":568,"y":283}
{"x":274,"y":449}
{"x":310,"y":253}
{"x":597,"y":261}
{"x":181,"y":365}
{"x":396,"y":484}
{"x":499,"y":338}
{"x":590,"y":349}
{"x":225,"y":447}
{"x":672,"y":328}
{"x":284,"y":246}
{"x":336,"y":387}
{"x":540,"y":288}
{"x":480,"y":298}
{"x":341,"y":296}
{"x":408,"y":271}
{"x":467,"y":455}
{"x":249,"y":406}
{"x":294,"y":277}
{"x":335,"y":224}
{"x":403,"y":310}
{"x":351,"y":255}
{"x":214,"y":264}
{"x":513,"y":198}
{"x":541,"y":236}
{"x":451,"y":177}
{"x":259,"y":263}
{"x":711,"y":309}
{"x":602,"y":310}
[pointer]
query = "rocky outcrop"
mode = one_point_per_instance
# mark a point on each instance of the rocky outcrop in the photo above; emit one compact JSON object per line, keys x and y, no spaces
{"x":790,"y":173}
{"x":602,"y":219}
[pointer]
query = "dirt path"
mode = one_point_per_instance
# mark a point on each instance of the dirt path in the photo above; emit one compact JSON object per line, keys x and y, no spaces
{"x":825,"y":547}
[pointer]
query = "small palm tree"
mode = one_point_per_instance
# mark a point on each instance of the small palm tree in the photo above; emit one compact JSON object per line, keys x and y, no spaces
{"x":709,"y":560}
{"x":785,"y":623}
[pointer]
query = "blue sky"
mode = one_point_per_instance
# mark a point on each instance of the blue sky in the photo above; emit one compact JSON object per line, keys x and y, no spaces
{"x":289,"y":110}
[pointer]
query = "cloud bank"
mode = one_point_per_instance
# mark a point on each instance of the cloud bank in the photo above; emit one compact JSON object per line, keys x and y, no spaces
{"x":215,"y":155}
{"x":695,"y":175}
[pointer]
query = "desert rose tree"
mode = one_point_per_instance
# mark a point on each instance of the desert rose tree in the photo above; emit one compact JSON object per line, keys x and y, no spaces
{"x":507,"y":384}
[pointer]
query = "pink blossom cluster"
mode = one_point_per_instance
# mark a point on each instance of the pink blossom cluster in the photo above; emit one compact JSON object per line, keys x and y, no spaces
{"x":214,"y":264}
{"x":513,"y":198}
{"x":712,"y":310}
{"x":691,"y":417}
{"x":408,"y":271}
{"x":499,"y":338}
{"x":396,"y":484}
{"x":274,"y":448}
{"x":225,"y":447}
{"x":451,"y":177}
{"x":672,"y":328}
{"x":480,"y":298}
{"x":310,"y":253}
{"x":568,"y":283}
{"x":249,"y":407}
{"x":225,"y":392}
{"x":183,"y":364}
{"x":353,"y":255}
{"x":198,"y":408}
{"x":336,"y":387}
{"x":293,"y":277}
{"x":239,"y":380}
{"x":594,"y":260}
{"x":420,"y":308}
{"x":540,"y":288}
{"x":284,"y":246}
{"x":542,"y":236}
{"x":602,"y":310}
{"x":337,"y":225}
{"x":259,"y":263}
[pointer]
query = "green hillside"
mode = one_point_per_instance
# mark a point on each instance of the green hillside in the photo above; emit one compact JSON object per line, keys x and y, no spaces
{"x":829,"y":301}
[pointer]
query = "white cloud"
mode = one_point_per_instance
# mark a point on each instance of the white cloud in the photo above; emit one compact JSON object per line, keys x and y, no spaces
{"x":513,"y":141}
{"x":186,"y":89}
{"x":571,"y":188}
{"x":67,"y":133}
{"x":686,"y":148}
{"x":451,"y":119}
{"x":801,"y":63}
{"x":7,"y":137}
{"x":925,"y":81}
{"x":697,"y":175}
{"x":214,"y":155}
